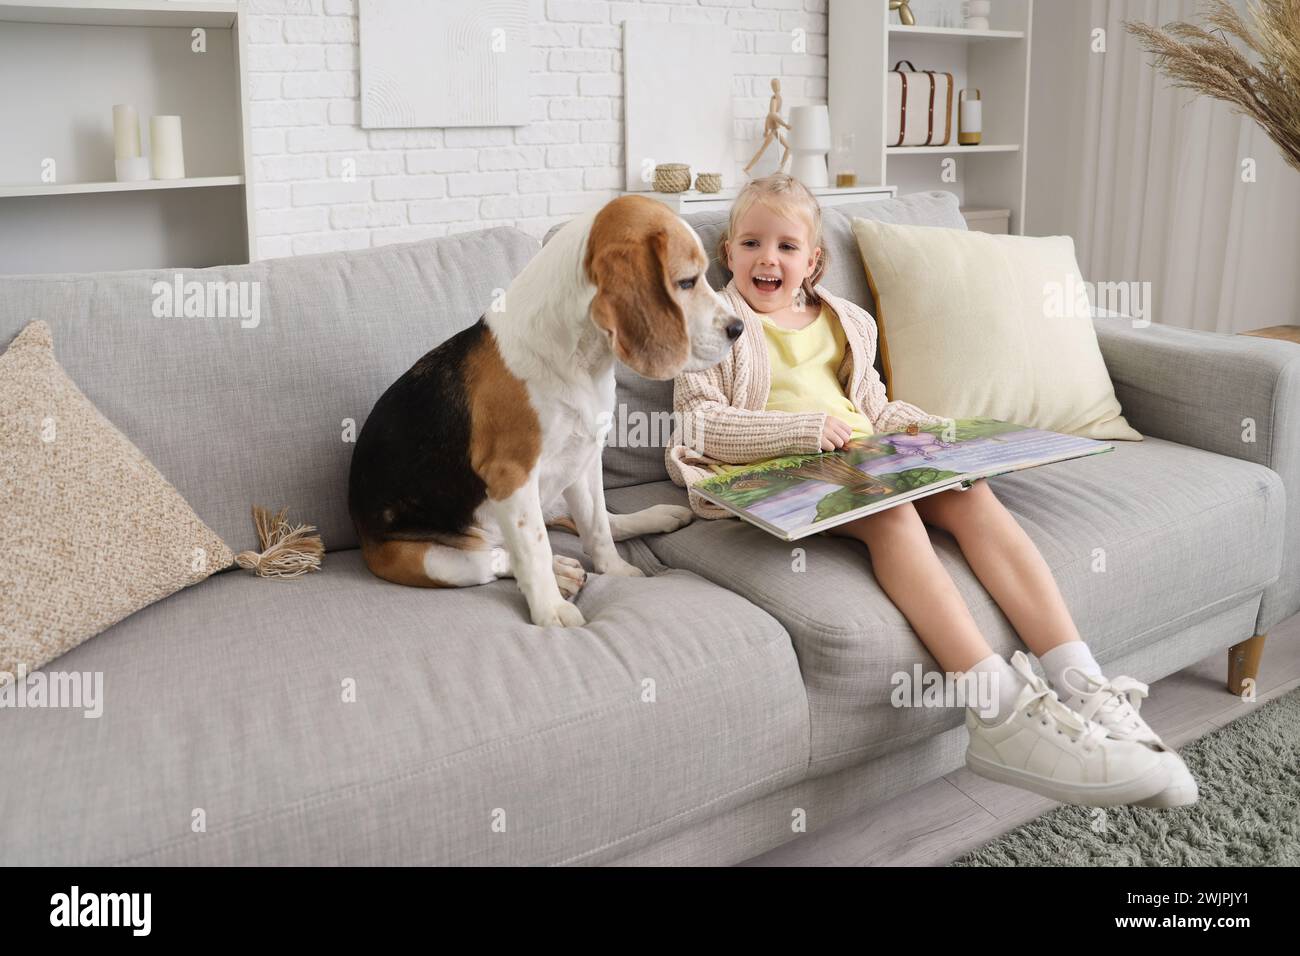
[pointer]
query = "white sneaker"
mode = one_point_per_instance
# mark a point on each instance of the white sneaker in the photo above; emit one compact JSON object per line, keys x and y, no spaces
{"x":1114,"y":704}
{"x":1045,"y":747}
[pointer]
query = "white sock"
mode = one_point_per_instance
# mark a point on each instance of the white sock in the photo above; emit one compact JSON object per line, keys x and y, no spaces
{"x":1005,"y":684}
{"x":1069,"y":654}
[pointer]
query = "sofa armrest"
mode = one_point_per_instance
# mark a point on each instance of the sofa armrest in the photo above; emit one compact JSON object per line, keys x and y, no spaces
{"x":1236,"y":395}
{"x":1199,"y":388}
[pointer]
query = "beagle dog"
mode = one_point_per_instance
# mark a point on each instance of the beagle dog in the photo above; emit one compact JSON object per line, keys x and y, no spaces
{"x":498,"y":432}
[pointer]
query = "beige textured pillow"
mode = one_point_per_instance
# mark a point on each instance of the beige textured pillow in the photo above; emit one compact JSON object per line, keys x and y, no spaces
{"x":974,"y":325}
{"x":90,"y":531}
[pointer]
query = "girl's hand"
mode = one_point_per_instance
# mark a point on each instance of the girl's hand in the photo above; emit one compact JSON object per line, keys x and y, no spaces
{"x":835,"y":433}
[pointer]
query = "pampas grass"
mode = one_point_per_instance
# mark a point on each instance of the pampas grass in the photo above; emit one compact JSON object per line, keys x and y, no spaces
{"x":1268,"y":91}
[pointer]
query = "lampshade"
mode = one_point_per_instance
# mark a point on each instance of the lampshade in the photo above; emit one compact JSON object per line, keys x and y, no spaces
{"x":810,"y":128}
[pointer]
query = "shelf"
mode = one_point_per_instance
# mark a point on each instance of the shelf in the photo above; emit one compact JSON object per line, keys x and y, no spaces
{"x":65,"y":189}
{"x":143,"y":48}
{"x":731,"y":192}
{"x":848,"y":190}
{"x":955,"y":33}
{"x":691,"y":201}
{"x":940,"y":150}
{"x":121,"y":13}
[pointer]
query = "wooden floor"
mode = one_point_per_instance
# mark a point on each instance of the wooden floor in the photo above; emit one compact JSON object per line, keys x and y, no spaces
{"x":944,"y":819}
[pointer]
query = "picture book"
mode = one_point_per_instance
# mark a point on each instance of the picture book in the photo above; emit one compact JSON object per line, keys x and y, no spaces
{"x":798,"y":495}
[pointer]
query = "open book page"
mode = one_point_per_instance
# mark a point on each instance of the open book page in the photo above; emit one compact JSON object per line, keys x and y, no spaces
{"x":797,"y":495}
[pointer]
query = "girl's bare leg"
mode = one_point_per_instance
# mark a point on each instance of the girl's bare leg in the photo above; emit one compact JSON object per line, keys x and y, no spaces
{"x":909,"y":571}
{"x":1006,"y":561}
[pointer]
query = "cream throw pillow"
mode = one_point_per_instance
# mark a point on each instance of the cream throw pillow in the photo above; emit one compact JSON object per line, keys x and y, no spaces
{"x":972,"y":326}
{"x":90,"y":531}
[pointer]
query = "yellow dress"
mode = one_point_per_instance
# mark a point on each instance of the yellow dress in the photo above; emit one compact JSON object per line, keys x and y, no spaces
{"x":803,"y":363}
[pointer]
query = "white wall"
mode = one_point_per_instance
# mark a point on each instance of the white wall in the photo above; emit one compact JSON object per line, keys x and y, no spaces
{"x":412,"y":184}
{"x":1164,"y":190}
{"x":1053,"y":105}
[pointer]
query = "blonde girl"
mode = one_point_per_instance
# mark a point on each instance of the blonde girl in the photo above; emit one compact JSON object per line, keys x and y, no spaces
{"x":799,"y":380}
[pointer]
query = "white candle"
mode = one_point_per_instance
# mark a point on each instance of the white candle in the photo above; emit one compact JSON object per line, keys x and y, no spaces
{"x":126,"y":132}
{"x":133,"y":169}
{"x":165,"y":147}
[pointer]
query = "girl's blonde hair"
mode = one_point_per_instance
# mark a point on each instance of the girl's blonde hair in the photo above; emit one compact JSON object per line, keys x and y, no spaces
{"x":787,"y":197}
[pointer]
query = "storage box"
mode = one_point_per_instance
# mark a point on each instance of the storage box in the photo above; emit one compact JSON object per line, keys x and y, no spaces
{"x":988,"y":220}
{"x":919,"y":107}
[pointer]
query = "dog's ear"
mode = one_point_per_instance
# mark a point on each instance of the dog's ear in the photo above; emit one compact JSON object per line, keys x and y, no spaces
{"x":635,"y":305}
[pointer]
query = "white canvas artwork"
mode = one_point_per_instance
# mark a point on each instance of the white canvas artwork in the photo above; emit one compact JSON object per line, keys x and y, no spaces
{"x":677,"y":98}
{"x":444,"y":63}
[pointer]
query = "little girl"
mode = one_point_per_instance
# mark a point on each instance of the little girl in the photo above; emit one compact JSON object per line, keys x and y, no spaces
{"x":799,"y":380}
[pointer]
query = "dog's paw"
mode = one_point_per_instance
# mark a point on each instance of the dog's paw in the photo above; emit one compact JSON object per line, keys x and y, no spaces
{"x":620,"y":568}
{"x":562,"y":614}
{"x":666,"y":518}
{"x":569,"y":575}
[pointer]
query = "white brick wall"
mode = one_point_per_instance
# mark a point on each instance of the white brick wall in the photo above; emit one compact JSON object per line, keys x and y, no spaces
{"x":413,"y":184}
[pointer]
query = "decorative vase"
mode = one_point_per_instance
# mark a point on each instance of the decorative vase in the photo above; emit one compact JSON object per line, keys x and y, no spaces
{"x":977,"y":14}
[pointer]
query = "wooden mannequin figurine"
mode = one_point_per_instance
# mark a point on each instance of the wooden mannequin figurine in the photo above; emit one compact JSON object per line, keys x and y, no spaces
{"x":772,"y":129}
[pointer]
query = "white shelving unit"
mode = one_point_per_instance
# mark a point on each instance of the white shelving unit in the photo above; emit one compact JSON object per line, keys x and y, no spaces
{"x":63,"y":64}
{"x":865,"y":41}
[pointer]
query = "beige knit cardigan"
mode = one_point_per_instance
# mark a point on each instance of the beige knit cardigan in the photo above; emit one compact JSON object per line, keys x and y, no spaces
{"x":725,"y":404}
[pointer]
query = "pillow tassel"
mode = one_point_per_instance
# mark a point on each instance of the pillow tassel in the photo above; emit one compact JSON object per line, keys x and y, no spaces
{"x":286,"y":551}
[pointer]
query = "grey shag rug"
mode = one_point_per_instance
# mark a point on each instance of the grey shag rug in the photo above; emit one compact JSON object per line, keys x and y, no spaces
{"x":1248,"y":813}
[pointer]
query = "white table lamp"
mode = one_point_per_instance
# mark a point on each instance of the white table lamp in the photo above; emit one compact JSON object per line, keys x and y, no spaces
{"x":810,"y":141}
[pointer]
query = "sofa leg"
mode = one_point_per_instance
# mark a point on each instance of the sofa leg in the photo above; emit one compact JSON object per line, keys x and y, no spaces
{"x":1243,"y":663}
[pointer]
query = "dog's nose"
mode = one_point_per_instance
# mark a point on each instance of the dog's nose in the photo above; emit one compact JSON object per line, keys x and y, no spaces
{"x":734,"y":328}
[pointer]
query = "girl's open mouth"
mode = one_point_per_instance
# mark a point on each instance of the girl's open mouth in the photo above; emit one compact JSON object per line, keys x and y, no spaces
{"x":765,"y":284}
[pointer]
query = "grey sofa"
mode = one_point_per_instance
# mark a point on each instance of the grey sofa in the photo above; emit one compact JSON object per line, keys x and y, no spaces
{"x":701,"y":711}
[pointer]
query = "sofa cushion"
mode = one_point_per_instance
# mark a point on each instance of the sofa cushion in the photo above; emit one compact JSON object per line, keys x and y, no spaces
{"x":234,"y":415}
{"x":89,"y":530}
{"x":844,"y":274}
{"x":634,"y":451}
{"x":985,"y":340}
{"x":228,"y":697}
{"x":1183,"y":533}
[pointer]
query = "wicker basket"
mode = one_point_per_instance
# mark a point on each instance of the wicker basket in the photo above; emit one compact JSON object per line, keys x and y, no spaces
{"x":672,"y":178}
{"x":708,"y":182}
